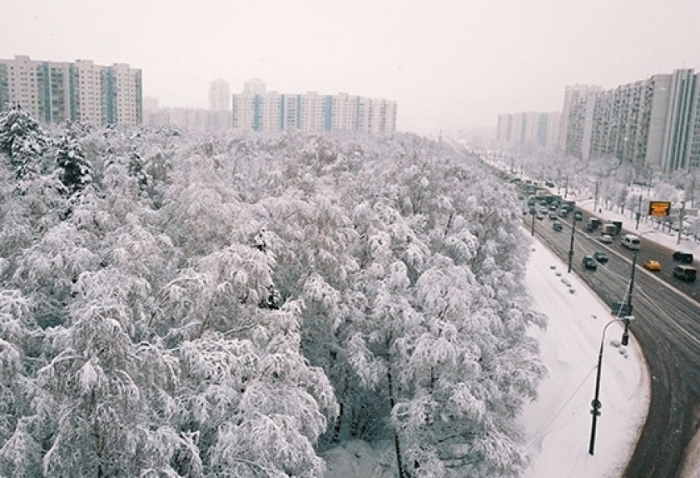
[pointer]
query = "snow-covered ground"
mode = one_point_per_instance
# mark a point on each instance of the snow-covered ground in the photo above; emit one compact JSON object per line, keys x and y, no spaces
{"x":558,"y":424}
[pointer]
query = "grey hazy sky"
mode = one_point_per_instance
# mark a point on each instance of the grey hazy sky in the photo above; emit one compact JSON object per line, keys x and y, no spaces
{"x":449,"y":64}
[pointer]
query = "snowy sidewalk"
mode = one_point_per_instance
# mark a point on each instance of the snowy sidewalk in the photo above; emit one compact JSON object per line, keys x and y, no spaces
{"x":558,"y":424}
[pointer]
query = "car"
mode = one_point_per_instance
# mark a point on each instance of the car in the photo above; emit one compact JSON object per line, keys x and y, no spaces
{"x":600,"y":256}
{"x":621,"y":309}
{"x":683,"y":257}
{"x":540,"y":216}
{"x":557,"y":226}
{"x":606,"y":239}
{"x":685,"y":273}
{"x":553,"y":217}
{"x":578,"y":216}
{"x":652,"y":265}
{"x":590,"y":263}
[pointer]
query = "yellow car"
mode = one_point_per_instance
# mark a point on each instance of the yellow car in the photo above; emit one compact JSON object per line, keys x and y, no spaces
{"x":652,"y":265}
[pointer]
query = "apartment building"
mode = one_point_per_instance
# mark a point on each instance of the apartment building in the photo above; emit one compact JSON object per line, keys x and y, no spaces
{"x":186,"y":119}
{"x":53,"y":92}
{"x":652,"y":123}
{"x":575,"y":108}
{"x":256,"y":109}
{"x":219,"y":95}
{"x":530,"y":128}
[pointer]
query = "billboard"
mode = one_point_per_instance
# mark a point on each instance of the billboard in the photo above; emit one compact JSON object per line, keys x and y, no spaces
{"x":659,"y":208}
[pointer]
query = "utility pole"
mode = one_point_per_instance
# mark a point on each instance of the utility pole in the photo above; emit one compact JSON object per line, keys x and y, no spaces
{"x":571,"y":246}
{"x":625,"y":334}
{"x":595,"y":203}
{"x":596,"y":404}
{"x":639,"y":210}
{"x":532,"y":228}
{"x":680,"y":222}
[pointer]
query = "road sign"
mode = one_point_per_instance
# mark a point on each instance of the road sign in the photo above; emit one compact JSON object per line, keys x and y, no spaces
{"x":659,"y":208}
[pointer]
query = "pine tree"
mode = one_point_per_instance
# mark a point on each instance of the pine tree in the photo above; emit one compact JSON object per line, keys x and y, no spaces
{"x":22,"y":140}
{"x":75,"y":172}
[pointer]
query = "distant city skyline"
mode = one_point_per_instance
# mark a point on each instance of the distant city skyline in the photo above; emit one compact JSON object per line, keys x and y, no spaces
{"x":448,"y":65}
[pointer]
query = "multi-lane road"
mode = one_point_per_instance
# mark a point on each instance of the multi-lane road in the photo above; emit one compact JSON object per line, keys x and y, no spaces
{"x":667,"y":326}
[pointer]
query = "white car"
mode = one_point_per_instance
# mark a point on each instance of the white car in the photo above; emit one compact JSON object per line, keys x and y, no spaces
{"x":606,"y":239}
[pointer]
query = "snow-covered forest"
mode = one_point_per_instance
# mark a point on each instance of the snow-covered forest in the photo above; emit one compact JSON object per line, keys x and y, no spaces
{"x":236,"y":305}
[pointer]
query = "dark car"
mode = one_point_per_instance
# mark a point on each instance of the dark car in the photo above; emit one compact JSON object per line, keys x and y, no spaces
{"x":590,"y":263}
{"x":557,"y":226}
{"x":685,"y":273}
{"x":683,"y":257}
{"x":600,"y":256}
{"x":621,"y":309}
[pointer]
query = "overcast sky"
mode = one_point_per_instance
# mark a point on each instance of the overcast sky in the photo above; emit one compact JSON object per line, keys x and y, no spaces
{"x":449,"y":64}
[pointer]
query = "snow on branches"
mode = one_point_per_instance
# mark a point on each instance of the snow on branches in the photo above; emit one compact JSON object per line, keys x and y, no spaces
{"x":233,"y":306}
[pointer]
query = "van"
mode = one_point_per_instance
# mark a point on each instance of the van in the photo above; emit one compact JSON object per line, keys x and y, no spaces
{"x":630,"y":241}
{"x":685,"y":273}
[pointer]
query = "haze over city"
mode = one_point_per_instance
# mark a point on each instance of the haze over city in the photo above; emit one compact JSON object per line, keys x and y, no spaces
{"x":449,"y":65}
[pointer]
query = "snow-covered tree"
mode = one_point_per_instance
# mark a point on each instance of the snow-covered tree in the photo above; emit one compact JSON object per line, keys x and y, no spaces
{"x":22,"y":140}
{"x":75,"y":172}
{"x":229,"y":306}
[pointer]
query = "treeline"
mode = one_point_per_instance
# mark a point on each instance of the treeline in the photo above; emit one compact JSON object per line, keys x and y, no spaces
{"x":235,"y":305}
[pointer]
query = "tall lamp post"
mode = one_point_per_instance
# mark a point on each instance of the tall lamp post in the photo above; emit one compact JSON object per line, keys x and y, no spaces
{"x":595,"y":404}
{"x":571,"y":245}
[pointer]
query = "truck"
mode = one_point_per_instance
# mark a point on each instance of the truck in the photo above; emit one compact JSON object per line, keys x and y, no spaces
{"x":593,"y":224}
{"x":608,"y":229}
{"x":618,"y":226}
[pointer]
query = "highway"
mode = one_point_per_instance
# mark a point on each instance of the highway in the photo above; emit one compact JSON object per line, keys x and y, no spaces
{"x":667,"y":326}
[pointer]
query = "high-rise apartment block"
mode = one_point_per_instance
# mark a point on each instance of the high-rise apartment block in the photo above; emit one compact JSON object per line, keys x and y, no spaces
{"x":79,"y":91}
{"x":652,"y":123}
{"x":219,"y":95}
{"x":531,"y":128}
{"x":577,"y":112}
{"x":256,"y":109}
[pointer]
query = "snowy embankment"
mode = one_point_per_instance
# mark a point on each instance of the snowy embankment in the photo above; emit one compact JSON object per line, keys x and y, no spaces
{"x":558,"y":424}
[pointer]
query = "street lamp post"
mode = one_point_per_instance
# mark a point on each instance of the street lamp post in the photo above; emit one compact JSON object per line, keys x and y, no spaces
{"x":595,"y":404}
{"x":532,"y":227}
